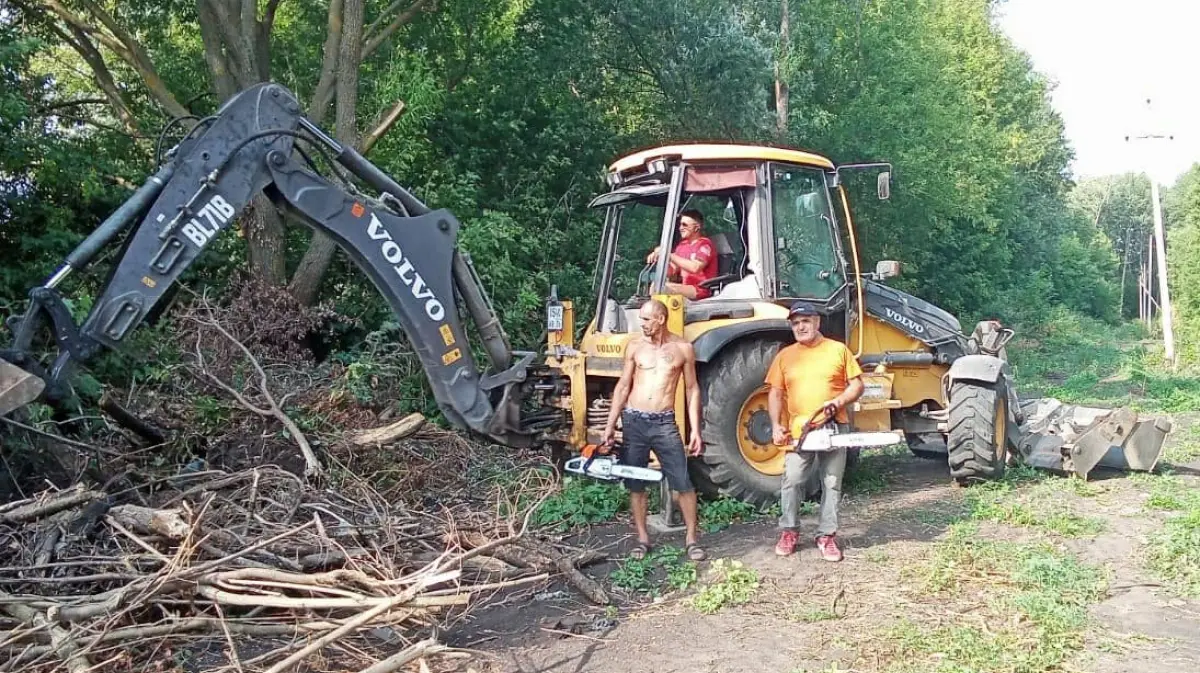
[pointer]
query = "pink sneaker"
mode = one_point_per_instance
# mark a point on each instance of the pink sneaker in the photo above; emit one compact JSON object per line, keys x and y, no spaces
{"x":829,"y":548}
{"x":787,"y":543}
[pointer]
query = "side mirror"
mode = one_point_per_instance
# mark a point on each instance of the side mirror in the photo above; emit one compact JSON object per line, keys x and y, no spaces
{"x":887,"y":268}
{"x":883,"y":184}
{"x":730,"y":215}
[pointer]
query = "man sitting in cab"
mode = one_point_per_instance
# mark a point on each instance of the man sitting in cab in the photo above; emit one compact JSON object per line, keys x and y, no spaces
{"x":694,"y":259}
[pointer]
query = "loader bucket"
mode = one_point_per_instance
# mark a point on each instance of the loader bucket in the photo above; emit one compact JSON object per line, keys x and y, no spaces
{"x":17,"y":387}
{"x":1070,"y":439}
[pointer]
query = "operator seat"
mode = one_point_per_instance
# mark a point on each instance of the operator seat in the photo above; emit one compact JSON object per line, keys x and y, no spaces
{"x":728,"y":263}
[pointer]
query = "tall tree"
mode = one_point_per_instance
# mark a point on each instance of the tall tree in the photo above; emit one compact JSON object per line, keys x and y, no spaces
{"x":237,"y":38}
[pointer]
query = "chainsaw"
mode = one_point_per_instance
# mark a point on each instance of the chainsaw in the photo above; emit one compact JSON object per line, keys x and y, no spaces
{"x":607,"y":468}
{"x":823,"y":435}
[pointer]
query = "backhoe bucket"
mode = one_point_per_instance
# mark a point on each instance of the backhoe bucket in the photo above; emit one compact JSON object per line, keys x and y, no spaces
{"x":17,"y":387}
{"x":1071,"y":439}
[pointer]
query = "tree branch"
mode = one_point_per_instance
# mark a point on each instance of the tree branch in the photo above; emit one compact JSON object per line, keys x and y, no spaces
{"x":140,"y":61}
{"x":268,"y":21}
{"x":265,"y":27}
{"x":227,"y":27}
{"x":313,"y":466}
{"x":382,"y":126}
{"x":78,"y":23}
{"x":214,"y":55}
{"x":124,"y":46}
{"x":100,"y":75}
{"x":373,"y":41}
{"x":323,"y":94}
{"x":72,"y":103}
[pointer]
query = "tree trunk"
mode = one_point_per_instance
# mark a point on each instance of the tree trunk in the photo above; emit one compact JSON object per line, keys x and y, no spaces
{"x":781,"y":85}
{"x":265,"y":240}
{"x":306,"y":282}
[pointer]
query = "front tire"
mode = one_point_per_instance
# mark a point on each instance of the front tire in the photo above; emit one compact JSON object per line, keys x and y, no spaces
{"x":978,"y":441}
{"x":739,"y":458}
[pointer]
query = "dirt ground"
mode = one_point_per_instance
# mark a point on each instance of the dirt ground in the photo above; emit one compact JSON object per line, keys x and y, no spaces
{"x":1136,"y":624}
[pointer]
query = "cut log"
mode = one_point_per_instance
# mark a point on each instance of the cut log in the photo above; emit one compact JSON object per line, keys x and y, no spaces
{"x":145,"y":521}
{"x":390,"y":433}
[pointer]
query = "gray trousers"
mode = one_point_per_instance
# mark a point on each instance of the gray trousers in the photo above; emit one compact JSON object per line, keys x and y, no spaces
{"x":797,"y":468}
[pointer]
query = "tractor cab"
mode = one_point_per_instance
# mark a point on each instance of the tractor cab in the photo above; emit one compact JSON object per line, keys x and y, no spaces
{"x":773,"y":216}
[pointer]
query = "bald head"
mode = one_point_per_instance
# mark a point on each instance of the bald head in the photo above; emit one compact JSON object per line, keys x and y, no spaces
{"x":654,"y":318}
{"x":654,"y":309}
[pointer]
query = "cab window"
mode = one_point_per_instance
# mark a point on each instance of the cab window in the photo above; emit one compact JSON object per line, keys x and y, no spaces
{"x":807,"y":262}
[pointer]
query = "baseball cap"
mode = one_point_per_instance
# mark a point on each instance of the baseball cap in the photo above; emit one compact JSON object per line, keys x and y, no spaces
{"x":802,"y":308}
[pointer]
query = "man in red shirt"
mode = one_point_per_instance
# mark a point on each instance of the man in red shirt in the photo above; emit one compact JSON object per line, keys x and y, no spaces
{"x":694,"y":258}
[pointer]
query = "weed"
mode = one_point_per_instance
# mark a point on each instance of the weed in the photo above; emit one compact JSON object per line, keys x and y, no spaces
{"x":810,"y":614}
{"x":664,"y":567}
{"x":723,"y":512}
{"x":1049,"y":589}
{"x":1186,"y":450}
{"x":1173,"y":552}
{"x":1082,"y":361}
{"x":1001,"y":502}
{"x":876,"y":556}
{"x":581,"y":502}
{"x":732,"y":583}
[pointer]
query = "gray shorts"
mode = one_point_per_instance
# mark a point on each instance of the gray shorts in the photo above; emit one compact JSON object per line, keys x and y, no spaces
{"x":646,"y":430}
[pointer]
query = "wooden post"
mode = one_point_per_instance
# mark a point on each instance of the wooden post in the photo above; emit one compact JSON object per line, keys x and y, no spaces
{"x":1164,"y":293}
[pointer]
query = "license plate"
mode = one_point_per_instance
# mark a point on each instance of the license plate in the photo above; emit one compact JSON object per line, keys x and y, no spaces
{"x":554,"y":318}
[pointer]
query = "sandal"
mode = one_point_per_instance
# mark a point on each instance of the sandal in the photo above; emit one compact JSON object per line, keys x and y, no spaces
{"x":695,"y":552}
{"x":640,"y":551}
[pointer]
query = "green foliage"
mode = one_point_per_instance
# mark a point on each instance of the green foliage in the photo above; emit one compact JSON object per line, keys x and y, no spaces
{"x":663,"y":570}
{"x":581,"y":502}
{"x":1182,"y":214}
{"x":723,"y":512}
{"x":513,"y":108}
{"x":1050,"y":589}
{"x":1082,"y":360}
{"x":1173,"y":551}
{"x":1039,"y":507}
{"x":730,"y":583}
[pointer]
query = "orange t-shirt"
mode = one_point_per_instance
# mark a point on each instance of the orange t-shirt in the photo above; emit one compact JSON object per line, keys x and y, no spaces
{"x":811,"y":376}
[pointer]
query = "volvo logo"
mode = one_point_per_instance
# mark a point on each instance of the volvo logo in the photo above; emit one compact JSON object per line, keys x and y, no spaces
{"x":404,"y":268}
{"x":905,"y":320}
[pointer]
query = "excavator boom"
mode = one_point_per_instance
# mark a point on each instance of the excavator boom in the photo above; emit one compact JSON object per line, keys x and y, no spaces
{"x":250,"y":147}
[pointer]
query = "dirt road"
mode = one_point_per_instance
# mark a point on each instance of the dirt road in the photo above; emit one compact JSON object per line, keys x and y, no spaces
{"x":1035,"y":574}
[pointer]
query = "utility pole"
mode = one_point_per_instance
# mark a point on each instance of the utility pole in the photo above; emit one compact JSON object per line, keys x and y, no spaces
{"x":1160,"y":246}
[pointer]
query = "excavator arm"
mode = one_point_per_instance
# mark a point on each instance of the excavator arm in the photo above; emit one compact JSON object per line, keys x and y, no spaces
{"x":250,"y":146}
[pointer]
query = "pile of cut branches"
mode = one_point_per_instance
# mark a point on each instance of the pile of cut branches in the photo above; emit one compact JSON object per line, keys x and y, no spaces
{"x":198,"y":564}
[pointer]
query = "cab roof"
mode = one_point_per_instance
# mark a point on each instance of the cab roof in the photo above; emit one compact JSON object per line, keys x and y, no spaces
{"x":718,"y":152}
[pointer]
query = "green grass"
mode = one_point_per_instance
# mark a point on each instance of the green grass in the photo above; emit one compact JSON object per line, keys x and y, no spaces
{"x":730,"y":583}
{"x":582,"y":501}
{"x":663,"y":570}
{"x":723,"y":512}
{"x":1033,"y":500}
{"x":1173,"y":551}
{"x":1084,"y":361}
{"x":1186,"y":449}
{"x":1048,"y":589}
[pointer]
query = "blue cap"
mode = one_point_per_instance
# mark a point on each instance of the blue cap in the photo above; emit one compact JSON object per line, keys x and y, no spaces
{"x":802,"y":308}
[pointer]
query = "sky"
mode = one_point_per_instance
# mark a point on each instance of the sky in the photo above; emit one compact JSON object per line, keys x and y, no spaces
{"x":1106,"y":58}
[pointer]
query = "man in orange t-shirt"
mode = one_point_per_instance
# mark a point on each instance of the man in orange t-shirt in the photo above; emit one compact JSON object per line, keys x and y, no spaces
{"x":813,"y":374}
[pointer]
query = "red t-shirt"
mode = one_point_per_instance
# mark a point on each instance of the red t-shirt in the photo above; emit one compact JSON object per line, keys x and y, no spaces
{"x":700,"y":249}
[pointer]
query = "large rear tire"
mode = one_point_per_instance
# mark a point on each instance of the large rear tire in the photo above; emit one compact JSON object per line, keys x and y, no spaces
{"x":739,"y":459}
{"x":977,"y":440}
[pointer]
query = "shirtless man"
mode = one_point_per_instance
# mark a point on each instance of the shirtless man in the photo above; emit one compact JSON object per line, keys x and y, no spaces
{"x":644,"y":399}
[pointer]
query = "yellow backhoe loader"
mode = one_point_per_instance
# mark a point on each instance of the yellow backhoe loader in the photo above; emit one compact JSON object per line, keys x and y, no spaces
{"x":779,"y":220}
